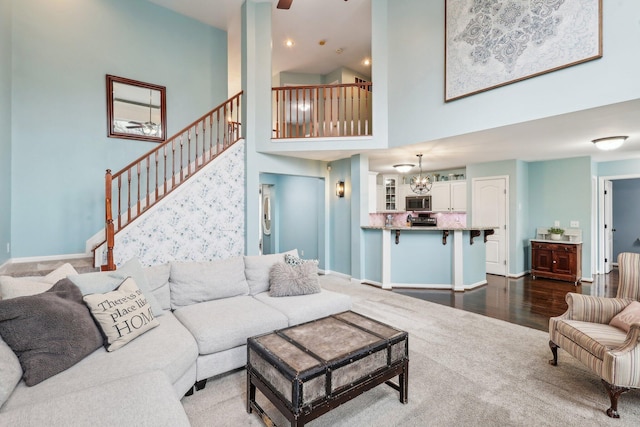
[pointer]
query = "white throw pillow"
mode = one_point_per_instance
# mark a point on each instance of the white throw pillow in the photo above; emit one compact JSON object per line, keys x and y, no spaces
{"x":123,"y":314}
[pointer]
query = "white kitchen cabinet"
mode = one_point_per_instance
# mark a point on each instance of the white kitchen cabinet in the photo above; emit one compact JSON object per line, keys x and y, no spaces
{"x":390,"y":184}
{"x":404,"y":190}
{"x":449,"y":196}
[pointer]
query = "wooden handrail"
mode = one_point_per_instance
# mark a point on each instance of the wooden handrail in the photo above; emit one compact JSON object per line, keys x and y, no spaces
{"x":321,"y":111}
{"x":145,"y":181}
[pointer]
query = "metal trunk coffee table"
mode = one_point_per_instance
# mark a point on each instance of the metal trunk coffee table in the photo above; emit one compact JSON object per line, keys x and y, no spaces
{"x":309,"y":369}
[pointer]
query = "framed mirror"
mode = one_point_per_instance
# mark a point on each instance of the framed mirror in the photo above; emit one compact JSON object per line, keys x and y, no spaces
{"x":136,"y":110}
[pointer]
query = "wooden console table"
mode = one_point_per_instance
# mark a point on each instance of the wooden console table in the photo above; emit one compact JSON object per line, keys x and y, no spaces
{"x":560,"y":260}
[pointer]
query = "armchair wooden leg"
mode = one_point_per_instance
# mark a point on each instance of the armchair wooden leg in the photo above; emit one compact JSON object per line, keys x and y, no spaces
{"x":554,"y":349}
{"x":614,"y":393}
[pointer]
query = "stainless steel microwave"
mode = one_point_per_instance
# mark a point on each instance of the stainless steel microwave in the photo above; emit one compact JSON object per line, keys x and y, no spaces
{"x":418,"y":203}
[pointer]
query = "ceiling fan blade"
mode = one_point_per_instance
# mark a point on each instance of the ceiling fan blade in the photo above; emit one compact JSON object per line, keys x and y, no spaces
{"x":284,"y":4}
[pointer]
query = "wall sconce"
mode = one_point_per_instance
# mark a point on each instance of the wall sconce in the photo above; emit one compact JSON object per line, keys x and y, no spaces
{"x":340,"y":189}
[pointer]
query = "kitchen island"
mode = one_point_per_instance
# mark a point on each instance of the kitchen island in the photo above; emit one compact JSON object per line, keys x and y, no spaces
{"x":425,"y":257}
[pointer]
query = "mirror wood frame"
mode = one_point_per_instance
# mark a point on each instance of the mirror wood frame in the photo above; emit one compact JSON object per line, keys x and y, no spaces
{"x":112,"y":132}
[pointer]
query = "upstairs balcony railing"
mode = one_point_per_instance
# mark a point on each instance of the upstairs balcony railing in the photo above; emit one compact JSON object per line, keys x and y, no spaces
{"x":146,"y":180}
{"x":322,"y":111}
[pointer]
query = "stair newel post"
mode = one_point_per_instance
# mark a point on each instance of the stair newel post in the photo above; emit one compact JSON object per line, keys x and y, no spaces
{"x":109,"y":231}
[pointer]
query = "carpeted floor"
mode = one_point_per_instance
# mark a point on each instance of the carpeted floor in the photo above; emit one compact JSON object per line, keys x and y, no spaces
{"x":465,"y":370}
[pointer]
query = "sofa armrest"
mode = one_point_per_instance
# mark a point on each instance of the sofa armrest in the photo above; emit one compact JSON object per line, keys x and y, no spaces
{"x":592,"y":309}
{"x":630,"y":343}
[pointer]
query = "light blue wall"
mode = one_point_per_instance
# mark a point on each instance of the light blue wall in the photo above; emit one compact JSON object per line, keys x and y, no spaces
{"x":561,"y":190}
{"x":5,"y":129}
{"x":415,"y":53}
{"x":372,"y":240}
{"x":619,"y":168}
{"x":340,"y":218}
{"x":626,"y":210}
{"x":300,"y":204}
{"x":62,"y":52}
{"x":420,"y":258}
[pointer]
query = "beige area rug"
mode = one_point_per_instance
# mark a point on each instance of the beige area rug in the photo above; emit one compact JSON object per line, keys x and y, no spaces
{"x":464,"y":370}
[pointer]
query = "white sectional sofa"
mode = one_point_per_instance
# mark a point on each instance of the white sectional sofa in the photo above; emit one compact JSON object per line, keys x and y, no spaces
{"x":208,"y":310}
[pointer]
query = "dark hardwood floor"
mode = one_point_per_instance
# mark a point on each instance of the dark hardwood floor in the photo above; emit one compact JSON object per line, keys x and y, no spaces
{"x":523,"y":301}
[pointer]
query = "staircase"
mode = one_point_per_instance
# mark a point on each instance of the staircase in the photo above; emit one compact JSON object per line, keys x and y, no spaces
{"x":146,"y":181}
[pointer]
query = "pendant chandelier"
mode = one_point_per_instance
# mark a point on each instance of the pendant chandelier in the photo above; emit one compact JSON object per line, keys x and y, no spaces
{"x":420,"y":184}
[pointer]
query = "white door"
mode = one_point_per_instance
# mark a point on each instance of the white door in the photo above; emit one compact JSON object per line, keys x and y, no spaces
{"x":608,"y":227}
{"x":489,"y":201}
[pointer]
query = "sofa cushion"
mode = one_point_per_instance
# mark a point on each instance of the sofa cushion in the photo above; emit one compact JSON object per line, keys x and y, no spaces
{"x":297,"y":279}
{"x":226,"y":323}
{"x":49,"y":332}
{"x":595,"y":338}
{"x":123,"y":314}
{"x":169,"y":348}
{"x":257,"y":268}
{"x":194,"y":282}
{"x":304,"y":308}
{"x":624,"y":319}
{"x":11,"y":287}
{"x":145,"y":399}
{"x":158,"y":280}
{"x":10,"y":371}
{"x":106,"y":281}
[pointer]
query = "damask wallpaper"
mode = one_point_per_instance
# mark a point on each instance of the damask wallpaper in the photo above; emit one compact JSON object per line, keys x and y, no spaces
{"x":202,"y":220}
{"x":491,"y":43}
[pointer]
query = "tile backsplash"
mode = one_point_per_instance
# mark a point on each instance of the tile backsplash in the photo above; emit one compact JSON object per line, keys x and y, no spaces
{"x":399,"y":219}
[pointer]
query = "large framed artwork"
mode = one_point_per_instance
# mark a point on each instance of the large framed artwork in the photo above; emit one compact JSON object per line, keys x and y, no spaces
{"x":492,"y":43}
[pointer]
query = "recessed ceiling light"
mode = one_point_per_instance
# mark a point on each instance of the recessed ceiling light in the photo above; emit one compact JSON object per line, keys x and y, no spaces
{"x":289,"y":43}
{"x":366,"y":62}
{"x":339,"y":50}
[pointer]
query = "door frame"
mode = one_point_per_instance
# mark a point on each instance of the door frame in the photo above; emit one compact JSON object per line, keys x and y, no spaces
{"x":600,"y":245}
{"x":507,"y":234}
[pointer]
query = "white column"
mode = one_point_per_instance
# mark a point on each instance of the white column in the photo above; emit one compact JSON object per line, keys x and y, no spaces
{"x":386,"y":259}
{"x":458,"y":261}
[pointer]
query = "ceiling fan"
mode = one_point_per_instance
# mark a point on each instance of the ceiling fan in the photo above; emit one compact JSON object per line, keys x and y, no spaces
{"x":285,"y":4}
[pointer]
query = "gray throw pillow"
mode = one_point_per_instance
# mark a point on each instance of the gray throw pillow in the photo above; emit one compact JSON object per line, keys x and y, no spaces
{"x":194,"y":282}
{"x":290,"y":280}
{"x":49,"y":332}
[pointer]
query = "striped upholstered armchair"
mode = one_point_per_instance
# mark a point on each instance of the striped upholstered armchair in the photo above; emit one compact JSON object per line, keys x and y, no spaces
{"x":584,"y":332}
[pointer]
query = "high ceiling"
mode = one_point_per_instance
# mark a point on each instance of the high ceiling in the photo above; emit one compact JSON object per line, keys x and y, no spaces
{"x":346,"y":25}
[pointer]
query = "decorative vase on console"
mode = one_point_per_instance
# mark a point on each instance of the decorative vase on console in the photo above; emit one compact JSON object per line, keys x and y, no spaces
{"x":555,"y":233}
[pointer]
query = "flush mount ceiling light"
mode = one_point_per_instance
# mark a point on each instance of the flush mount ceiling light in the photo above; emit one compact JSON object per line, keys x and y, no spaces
{"x":289,"y":43}
{"x":610,"y":143}
{"x":420,"y":184}
{"x":403,"y":167}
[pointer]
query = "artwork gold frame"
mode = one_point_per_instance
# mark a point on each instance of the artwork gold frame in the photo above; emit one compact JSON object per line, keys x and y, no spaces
{"x":490,"y":43}
{"x":136,"y":110}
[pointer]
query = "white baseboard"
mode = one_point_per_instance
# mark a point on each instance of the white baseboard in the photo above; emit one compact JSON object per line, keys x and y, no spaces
{"x":517,"y":275}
